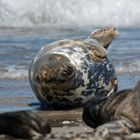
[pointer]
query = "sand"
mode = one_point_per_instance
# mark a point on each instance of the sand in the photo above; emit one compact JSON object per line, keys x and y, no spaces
{"x":68,"y":125}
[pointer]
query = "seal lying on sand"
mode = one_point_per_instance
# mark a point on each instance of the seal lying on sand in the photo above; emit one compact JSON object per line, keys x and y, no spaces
{"x":69,"y":72}
{"x":23,"y":124}
{"x":118,"y":113}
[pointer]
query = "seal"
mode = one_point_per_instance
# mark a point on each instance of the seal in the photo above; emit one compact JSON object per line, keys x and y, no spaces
{"x":67,"y":73}
{"x":23,"y":124}
{"x":117,"y":114}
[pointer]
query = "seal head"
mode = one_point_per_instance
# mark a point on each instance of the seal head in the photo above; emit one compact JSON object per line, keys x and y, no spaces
{"x":104,"y":36}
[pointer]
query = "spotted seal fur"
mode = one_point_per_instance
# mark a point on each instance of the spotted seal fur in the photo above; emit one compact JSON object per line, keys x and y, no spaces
{"x":69,"y":72}
{"x":117,"y":114}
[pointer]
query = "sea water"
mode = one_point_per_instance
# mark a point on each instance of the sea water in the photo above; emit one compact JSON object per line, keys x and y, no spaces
{"x":26,"y":26}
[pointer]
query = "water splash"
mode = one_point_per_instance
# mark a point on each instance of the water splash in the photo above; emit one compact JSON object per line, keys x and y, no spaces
{"x":13,"y":72}
{"x":124,"y":67}
{"x":62,"y":13}
{"x":19,"y":73}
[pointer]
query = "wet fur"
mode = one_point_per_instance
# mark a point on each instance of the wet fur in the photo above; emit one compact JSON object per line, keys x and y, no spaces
{"x":120,"y":111}
{"x":23,"y":124}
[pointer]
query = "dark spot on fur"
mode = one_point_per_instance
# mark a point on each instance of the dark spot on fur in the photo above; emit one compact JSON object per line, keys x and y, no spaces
{"x":49,"y":98}
{"x":78,"y":100}
{"x":87,"y":92}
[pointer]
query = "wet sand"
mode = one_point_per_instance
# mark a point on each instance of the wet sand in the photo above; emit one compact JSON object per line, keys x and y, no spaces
{"x":65,"y":124}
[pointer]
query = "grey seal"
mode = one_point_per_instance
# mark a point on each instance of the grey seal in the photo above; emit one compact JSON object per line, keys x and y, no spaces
{"x":118,"y":114}
{"x":67,"y":73}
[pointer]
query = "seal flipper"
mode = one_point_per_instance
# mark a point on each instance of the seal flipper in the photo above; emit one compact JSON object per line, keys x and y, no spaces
{"x":23,"y":124}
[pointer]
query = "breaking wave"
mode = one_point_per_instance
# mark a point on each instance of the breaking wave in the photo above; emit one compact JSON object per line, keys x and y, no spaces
{"x":128,"y":68}
{"x":22,"y":74}
{"x":60,"y":13}
{"x":12,"y":72}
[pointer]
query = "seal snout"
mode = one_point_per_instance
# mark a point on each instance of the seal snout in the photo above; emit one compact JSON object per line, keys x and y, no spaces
{"x":105,"y":36}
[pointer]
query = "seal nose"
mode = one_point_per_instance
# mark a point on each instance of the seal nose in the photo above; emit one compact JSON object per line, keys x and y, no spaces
{"x":115,"y":32}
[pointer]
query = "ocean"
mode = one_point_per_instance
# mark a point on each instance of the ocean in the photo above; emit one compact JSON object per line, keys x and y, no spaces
{"x":26,"y":26}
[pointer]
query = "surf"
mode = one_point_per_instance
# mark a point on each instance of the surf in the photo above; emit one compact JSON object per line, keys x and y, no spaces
{"x":60,"y":13}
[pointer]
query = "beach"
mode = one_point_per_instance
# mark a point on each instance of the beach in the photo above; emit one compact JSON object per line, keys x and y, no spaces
{"x":16,"y":93}
{"x":26,"y":26}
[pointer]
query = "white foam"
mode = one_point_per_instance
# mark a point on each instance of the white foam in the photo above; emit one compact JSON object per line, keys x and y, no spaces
{"x":69,"y":12}
{"x":12,"y":72}
{"x":132,"y":67}
{"x":20,"y":73}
